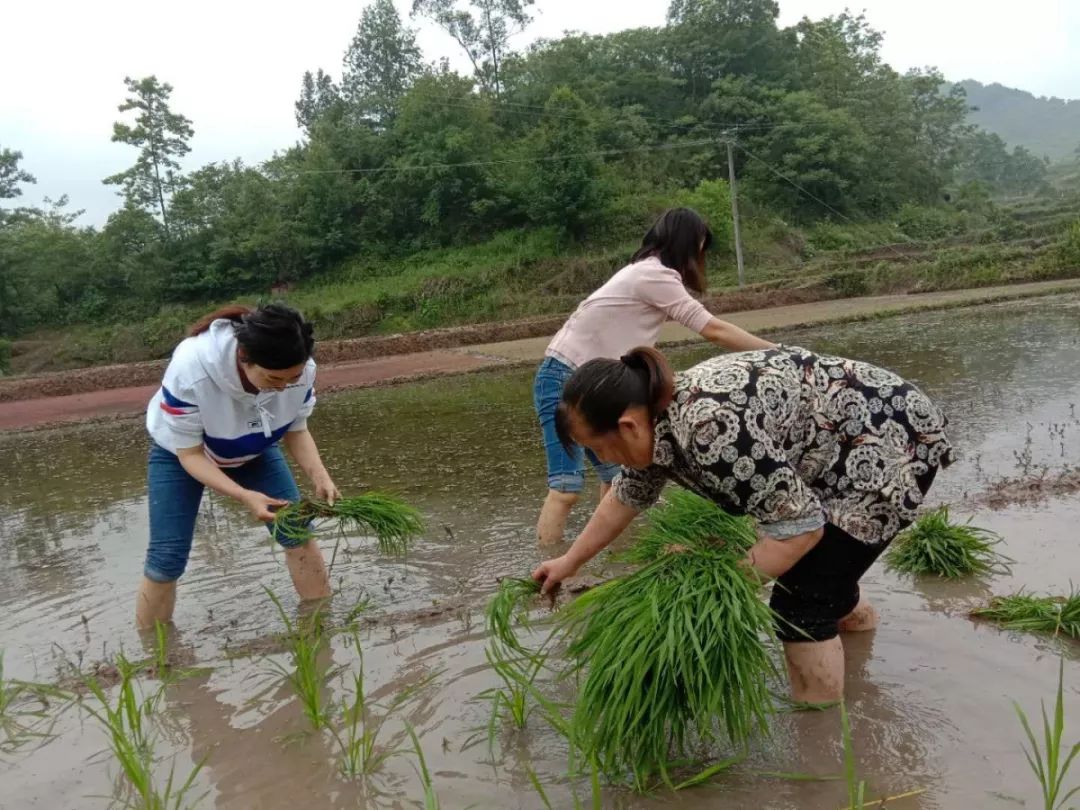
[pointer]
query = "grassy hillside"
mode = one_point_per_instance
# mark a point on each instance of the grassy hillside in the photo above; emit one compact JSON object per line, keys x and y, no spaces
{"x":522,"y":273}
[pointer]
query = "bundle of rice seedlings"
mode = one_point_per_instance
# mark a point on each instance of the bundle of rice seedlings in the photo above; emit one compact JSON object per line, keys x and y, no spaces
{"x":674,"y":649}
{"x":1057,"y":615}
{"x":390,"y":520}
{"x":933,"y":545}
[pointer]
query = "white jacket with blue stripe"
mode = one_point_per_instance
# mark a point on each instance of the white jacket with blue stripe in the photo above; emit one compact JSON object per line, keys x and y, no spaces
{"x":202,"y":401}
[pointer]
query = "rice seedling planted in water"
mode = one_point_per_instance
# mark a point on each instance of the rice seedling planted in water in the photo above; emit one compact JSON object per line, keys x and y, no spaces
{"x":431,"y":798}
{"x":508,"y":607}
{"x":1051,"y":762}
{"x":306,"y":641}
{"x":23,"y":708}
{"x":934,"y":545}
{"x":131,"y":741}
{"x":391,"y":521}
{"x":362,"y":725}
{"x":1056,"y":615}
{"x":670,"y":650}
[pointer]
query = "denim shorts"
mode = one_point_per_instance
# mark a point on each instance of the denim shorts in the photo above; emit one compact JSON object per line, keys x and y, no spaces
{"x":565,"y":470}
{"x":175,"y":498}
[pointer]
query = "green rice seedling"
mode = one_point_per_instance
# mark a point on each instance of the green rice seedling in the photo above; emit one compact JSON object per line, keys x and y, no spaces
{"x":1056,"y":615}
{"x":306,"y":676}
{"x":690,"y":521}
{"x":23,"y":710}
{"x":518,"y":677}
{"x":392,"y":522}
{"x":668,"y":651}
{"x":856,"y":787}
{"x":508,"y":607}
{"x":127,"y":725}
{"x":1051,"y":762}
{"x":363,"y":724}
{"x":431,"y":798}
{"x":934,"y":545}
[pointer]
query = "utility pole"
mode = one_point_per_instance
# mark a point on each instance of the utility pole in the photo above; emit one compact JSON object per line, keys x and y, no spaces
{"x":735,"y":212}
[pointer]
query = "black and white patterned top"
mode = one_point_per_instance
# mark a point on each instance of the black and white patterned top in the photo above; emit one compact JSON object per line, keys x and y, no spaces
{"x":795,"y":439}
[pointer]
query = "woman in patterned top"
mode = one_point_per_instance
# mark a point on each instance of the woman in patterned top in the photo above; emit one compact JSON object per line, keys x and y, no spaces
{"x":832,"y":457}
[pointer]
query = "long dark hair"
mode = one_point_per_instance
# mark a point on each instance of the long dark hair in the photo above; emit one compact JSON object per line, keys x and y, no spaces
{"x":602,"y":389}
{"x":273,"y":336}
{"x":679,"y":238}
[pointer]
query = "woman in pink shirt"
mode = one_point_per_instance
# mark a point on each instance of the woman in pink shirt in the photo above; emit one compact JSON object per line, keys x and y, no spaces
{"x":627,"y":311}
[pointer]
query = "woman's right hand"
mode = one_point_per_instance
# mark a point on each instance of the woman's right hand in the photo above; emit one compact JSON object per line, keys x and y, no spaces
{"x":549,"y":574}
{"x":262,"y":507}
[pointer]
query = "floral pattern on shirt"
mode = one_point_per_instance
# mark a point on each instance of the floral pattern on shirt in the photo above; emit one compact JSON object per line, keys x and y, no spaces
{"x":796,"y":439}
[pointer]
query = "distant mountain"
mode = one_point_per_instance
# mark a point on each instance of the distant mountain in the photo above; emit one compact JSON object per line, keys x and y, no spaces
{"x":1046,"y":126}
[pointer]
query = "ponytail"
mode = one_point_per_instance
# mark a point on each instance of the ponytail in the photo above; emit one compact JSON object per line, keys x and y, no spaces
{"x":602,"y":389}
{"x":233,"y":312}
{"x":273,"y":336}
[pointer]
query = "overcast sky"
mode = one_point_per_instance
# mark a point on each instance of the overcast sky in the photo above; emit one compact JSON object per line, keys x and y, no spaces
{"x":236,"y":65}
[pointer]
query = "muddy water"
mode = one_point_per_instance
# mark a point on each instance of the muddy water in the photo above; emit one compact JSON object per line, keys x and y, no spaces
{"x":929,"y":691}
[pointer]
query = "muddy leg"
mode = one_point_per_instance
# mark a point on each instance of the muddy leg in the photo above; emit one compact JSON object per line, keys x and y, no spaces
{"x":154,"y":603}
{"x":552,"y":523}
{"x":864,"y":617}
{"x":308,"y":571}
{"x":816,"y":669}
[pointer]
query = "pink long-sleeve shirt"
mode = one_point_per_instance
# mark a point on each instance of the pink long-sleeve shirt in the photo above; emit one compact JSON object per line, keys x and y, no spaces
{"x":627,"y":311}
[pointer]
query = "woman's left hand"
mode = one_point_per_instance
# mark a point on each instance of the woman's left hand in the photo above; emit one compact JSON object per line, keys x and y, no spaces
{"x":326,"y":489}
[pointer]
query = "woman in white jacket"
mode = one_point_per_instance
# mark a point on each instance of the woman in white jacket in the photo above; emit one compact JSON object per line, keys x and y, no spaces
{"x":239,"y":384}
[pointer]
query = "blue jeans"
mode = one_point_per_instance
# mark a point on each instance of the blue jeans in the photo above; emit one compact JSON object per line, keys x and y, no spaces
{"x":175,"y":498}
{"x":565,"y":469}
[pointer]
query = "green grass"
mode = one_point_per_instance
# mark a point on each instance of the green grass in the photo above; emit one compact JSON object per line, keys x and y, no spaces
{"x":307,"y":676}
{"x":127,"y":725}
{"x":670,"y":650}
{"x":1056,"y":615}
{"x":936,"y":546}
{"x":391,"y":521}
{"x":1051,"y":762}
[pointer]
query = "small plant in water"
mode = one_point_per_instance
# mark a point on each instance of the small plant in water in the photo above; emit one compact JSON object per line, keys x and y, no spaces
{"x":392,"y":522}
{"x":934,"y":545}
{"x":306,"y":641}
{"x":431,"y":798}
{"x":508,"y":607}
{"x":1051,"y":762}
{"x":362,"y":725}
{"x":131,"y":741}
{"x":23,"y":708}
{"x":856,"y":787}
{"x":1057,"y":615}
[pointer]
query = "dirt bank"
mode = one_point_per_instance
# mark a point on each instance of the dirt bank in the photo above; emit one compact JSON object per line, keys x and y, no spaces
{"x":115,"y":391}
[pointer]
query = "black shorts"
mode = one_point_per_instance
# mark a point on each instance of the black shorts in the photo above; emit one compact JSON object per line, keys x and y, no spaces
{"x":822,"y":587}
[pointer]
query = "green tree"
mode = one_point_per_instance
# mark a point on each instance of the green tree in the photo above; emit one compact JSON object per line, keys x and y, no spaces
{"x":161,"y":136}
{"x":11,"y":175}
{"x":710,"y":39}
{"x":565,"y":186}
{"x":381,"y":63}
{"x":318,"y":94}
{"x":439,"y":187}
{"x":484,"y":34}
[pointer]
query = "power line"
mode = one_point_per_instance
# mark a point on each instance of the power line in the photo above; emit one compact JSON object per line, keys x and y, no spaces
{"x":510,"y":161}
{"x":809,"y":194}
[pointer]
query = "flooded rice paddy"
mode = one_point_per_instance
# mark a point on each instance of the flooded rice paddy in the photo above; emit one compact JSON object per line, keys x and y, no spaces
{"x":929,"y":692}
